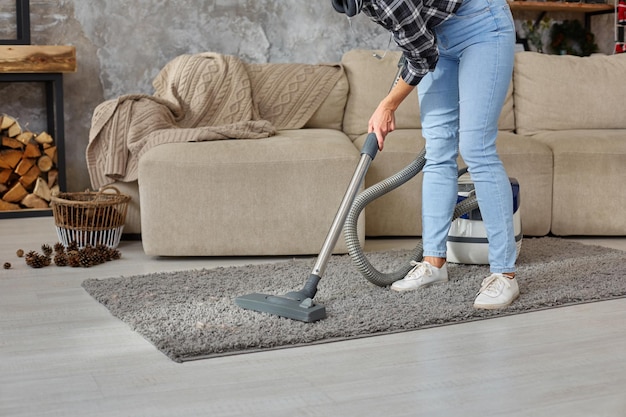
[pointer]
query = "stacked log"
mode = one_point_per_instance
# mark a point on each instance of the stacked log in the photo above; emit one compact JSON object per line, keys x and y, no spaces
{"x":28,"y":167}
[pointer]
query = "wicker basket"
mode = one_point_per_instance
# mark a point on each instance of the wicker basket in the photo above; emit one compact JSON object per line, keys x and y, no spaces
{"x":90,"y":218}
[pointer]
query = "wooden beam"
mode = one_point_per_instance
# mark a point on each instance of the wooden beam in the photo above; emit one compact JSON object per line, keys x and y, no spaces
{"x":37,"y":58}
{"x":558,"y":6}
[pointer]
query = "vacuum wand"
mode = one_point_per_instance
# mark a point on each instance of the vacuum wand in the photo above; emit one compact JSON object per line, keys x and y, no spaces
{"x":368,"y":152}
{"x":299,"y":305}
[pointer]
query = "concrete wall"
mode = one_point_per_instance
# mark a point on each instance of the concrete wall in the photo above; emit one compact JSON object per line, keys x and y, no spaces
{"x":122,"y":45}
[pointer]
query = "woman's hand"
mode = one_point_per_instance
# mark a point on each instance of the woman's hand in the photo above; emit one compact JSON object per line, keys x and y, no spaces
{"x":383,"y":120}
{"x":381,"y":123}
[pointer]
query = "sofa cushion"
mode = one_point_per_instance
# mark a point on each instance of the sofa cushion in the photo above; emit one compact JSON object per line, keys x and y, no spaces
{"x":330,"y":113}
{"x":370,"y":80}
{"x":274,"y":196}
{"x":530,"y":162}
{"x":507,"y":117}
{"x":589,"y":182}
{"x":548,"y":91}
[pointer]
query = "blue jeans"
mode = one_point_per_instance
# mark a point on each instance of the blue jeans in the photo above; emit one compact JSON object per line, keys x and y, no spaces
{"x":460,"y":104}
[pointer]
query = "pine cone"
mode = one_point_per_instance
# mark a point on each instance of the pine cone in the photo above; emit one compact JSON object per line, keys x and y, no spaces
{"x":59,"y":247}
{"x":30,"y":256}
{"x":104,"y":253}
{"x":36,"y":260}
{"x":115,"y":254}
{"x":60,"y":259}
{"x":46,"y":249}
{"x":97,"y":258}
{"x":73,"y":259}
{"x":84,"y":259}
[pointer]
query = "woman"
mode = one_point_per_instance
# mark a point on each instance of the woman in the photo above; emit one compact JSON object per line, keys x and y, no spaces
{"x":461,"y":55}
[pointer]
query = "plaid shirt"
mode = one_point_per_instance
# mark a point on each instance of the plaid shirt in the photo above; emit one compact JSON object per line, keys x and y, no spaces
{"x":412,"y":22}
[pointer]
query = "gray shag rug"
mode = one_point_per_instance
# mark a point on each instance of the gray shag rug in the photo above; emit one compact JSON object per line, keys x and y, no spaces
{"x":191,"y":315}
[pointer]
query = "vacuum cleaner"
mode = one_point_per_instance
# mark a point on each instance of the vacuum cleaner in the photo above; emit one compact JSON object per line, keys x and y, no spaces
{"x":299,"y":305}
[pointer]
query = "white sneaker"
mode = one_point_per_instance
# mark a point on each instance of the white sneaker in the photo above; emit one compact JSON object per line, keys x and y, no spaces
{"x":496,"y":291}
{"x":423,"y":274}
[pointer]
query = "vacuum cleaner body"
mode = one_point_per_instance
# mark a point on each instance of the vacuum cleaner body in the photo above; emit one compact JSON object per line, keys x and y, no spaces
{"x":467,"y":238}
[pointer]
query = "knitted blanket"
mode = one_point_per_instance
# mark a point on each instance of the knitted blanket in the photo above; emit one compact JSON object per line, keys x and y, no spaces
{"x":203,"y":97}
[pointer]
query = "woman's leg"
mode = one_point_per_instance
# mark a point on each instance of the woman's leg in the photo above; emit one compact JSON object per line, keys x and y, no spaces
{"x":485,"y":71}
{"x":482,"y":37}
{"x":439,"y":110}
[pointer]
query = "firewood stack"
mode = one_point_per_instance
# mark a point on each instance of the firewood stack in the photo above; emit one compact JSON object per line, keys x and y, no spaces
{"x":28,"y":167}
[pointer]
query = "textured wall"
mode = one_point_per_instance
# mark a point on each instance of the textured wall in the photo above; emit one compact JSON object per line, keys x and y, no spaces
{"x":122,"y":45}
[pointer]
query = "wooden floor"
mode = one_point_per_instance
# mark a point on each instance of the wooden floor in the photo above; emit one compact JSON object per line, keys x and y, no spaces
{"x":63,"y":354}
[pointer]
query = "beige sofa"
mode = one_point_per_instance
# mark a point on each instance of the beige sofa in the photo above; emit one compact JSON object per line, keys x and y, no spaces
{"x":562,"y":136}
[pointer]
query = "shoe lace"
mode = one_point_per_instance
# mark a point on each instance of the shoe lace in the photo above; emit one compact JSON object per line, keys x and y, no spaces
{"x":419,"y":269}
{"x":492,"y":285}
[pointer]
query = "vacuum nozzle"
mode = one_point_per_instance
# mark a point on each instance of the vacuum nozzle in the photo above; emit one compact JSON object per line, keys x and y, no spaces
{"x":295,"y":305}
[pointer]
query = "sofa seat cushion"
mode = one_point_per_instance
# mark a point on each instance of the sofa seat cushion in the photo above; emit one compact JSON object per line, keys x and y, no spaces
{"x":530,"y":163}
{"x":274,"y":196}
{"x":399,"y":212}
{"x":589,"y":182}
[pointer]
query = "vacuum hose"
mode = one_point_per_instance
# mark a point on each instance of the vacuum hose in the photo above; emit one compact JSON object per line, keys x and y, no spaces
{"x":372,"y":193}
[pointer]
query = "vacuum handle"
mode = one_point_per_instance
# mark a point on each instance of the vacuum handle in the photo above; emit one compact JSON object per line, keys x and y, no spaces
{"x":370,"y":147}
{"x":368,"y":153}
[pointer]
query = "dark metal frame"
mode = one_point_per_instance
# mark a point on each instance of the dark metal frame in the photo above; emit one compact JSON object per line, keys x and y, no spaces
{"x":22,"y":18}
{"x":54,"y":103}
